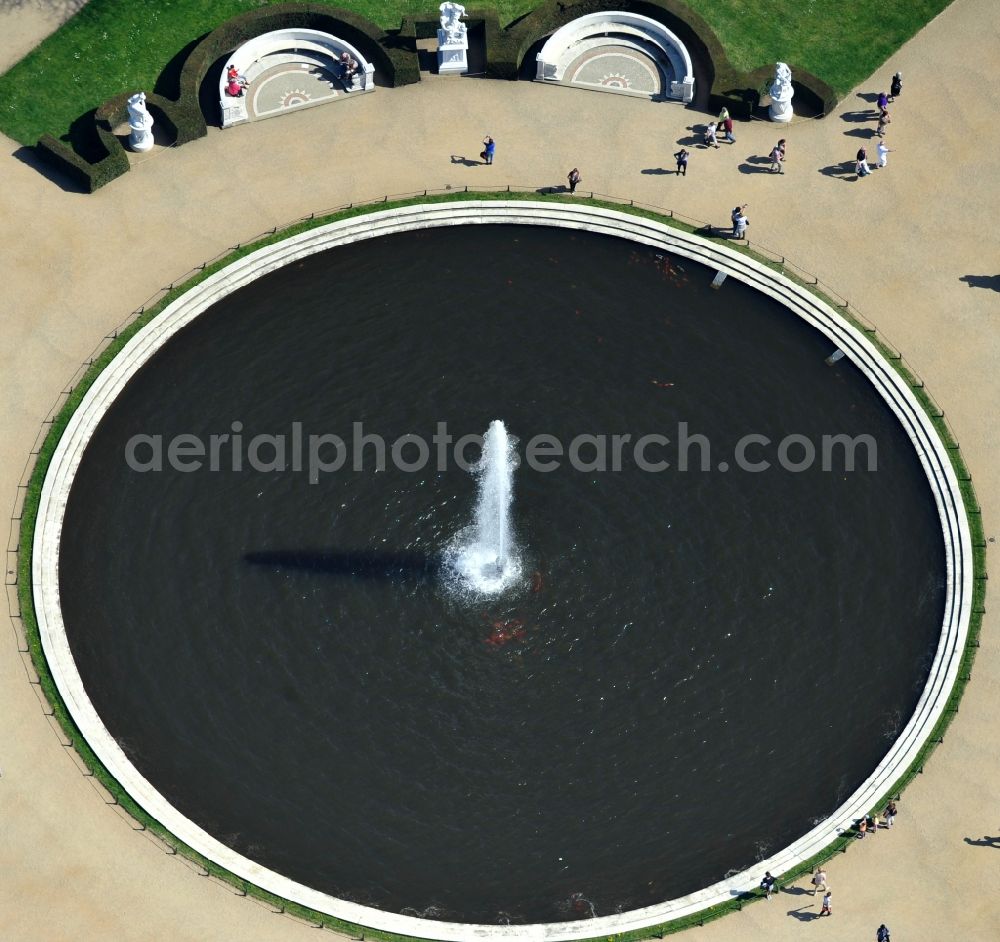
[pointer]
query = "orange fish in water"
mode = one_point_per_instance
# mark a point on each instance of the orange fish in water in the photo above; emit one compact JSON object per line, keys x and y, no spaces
{"x":504,"y":630}
{"x":656,"y":382}
{"x":537,"y":581}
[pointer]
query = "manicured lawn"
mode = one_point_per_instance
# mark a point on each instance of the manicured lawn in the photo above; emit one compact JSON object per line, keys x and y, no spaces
{"x":840,"y":41}
{"x":113,"y":46}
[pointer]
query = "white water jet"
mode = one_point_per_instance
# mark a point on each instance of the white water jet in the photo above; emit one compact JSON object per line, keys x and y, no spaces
{"x":484,"y":555}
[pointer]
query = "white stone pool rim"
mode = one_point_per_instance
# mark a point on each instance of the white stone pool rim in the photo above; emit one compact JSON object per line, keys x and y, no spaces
{"x":859,"y":349}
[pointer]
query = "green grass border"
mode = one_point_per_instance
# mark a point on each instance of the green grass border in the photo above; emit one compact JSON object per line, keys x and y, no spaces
{"x":32,"y":497}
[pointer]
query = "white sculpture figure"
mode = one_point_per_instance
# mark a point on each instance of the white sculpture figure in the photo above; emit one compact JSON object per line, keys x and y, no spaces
{"x":453,"y":40}
{"x":781,"y":92}
{"x":451,"y":21}
{"x":140,"y":123}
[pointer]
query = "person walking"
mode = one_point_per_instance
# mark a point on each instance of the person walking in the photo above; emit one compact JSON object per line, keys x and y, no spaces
{"x":574,"y":178}
{"x":728,"y":126}
{"x":827,"y":909}
{"x":489,"y":149}
{"x":882,"y":933}
{"x":890,"y":811}
{"x":862,"y":169}
{"x":778,"y":156}
{"x":740,"y":221}
{"x":883,"y":120}
{"x":682,"y":162}
{"x":883,"y":101}
{"x":767,"y":884}
{"x":896,"y":88}
{"x":819,"y":881}
{"x":710,"y":140}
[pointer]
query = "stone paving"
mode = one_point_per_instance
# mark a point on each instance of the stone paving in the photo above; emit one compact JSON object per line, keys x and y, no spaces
{"x":612,"y":67}
{"x":286,"y":87}
{"x":912,"y":246}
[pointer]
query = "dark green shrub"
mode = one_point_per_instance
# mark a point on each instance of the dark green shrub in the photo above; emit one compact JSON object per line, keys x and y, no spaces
{"x":89,"y":176}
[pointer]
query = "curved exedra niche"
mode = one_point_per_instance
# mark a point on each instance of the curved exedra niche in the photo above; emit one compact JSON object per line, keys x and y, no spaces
{"x":695,"y":541}
{"x":616,"y":51}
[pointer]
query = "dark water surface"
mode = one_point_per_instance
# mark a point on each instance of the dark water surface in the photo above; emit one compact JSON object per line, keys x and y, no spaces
{"x":710,"y":661}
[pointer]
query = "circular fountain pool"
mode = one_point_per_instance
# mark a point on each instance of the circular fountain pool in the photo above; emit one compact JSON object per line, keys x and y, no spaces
{"x":693,"y":669}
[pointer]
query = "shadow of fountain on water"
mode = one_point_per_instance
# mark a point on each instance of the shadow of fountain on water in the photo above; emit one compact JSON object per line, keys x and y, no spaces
{"x":359,"y":564}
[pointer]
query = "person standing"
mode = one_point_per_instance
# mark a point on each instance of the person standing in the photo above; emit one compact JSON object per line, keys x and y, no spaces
{"x":890,"y":814}
{"x":489,"y":149}
{"x":728,"y":125}
{"x":896,"y":88}
{"x":574,"y":178}
{"x":710,"y":139}
{"x":819,"y":881}
{"x":883,"y":120}
{"x":777,"y":157}
{"x":682,"y":162}
{"x":882,"y":933}
{"x":862,"y":167}
{"x":883,"y":159}
{"x":883,"y":101}
{"x":767,"y":884}
{"x":827,"y":909}
{"x":740,"y":221}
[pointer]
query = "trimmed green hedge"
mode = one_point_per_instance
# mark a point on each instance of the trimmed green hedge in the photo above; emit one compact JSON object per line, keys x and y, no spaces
{"x":184,"y":119}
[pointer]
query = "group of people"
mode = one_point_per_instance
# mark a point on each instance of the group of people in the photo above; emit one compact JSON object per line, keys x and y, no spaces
{"x":236,"y":84}
{"x":726,"y":123}
{"x":895,"y":89}
{"x":870,"y":823}
{"x":348,"y":68}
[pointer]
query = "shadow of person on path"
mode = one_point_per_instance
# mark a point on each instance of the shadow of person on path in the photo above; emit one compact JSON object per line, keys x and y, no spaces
{"x":986,"y":841}
{"x":858,"y":116}
{"x":558,"y":188}
{"x":795,"y":890}
{"x":868,"y":96}
{"x":755,"y":164}
{"x":696,"y":138}
{"x":991,"y":282}
{"x":860,"y":132}
{"x":465,"y":162}
{"x":846,"y":171}
{"x":803,"y":916}
{"x":657,"y":171}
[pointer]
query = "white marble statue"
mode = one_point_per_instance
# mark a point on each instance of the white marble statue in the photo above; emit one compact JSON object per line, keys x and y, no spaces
{"x":781,"y":92}
{"x":453,"y":41}
{"x":451,"y":21}
{"x":140,"y":123}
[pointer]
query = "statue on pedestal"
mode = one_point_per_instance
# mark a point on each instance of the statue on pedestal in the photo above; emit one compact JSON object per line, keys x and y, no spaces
{"x":140,"y":123}
{"x":453,"y":40}
{"x":781,"y":92}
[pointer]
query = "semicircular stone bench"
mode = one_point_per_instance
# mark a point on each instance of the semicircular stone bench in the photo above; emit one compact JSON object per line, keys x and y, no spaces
{"x":618,"y":28}
{"x":303,"y":46}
